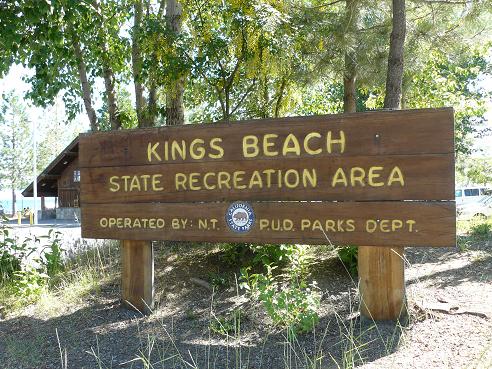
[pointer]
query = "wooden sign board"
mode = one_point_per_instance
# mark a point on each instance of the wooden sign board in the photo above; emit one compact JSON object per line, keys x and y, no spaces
{"x":376,"y":178}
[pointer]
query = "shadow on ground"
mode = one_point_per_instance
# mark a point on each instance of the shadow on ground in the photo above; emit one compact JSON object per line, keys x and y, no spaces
{"x":102,"y":334}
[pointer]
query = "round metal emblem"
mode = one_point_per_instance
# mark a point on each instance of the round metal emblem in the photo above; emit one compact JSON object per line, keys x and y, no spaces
{"x":240,"y":217}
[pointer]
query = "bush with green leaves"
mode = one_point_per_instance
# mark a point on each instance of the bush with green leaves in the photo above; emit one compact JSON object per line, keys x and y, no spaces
{"x":12,"y":253}
{"x":51,"y":255}
{"x":349,"y":256}
{"x":257,"y":255}
{"x":28,"y":284}
{"x":481,"y":229}
{"x":24,"y":276}
{"x":292,"y":304}
{"x":288,"y":298}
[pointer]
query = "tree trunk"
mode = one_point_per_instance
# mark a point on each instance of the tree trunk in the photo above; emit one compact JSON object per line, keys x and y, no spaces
{"x":382,"y":269}
{"x":394,"y":75}
{"x":174,"y":96}
{"x":137,"y":65}
{"x":350,"y":70}
{"x":13,"y":198}
{"x":86,"y":88}
{"x":114,"y":116}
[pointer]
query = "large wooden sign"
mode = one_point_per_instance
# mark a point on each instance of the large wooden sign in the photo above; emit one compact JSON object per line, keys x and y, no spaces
{"x":376,"y":178}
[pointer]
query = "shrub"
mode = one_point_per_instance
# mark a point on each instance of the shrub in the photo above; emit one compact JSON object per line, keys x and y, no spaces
{"x":292,"y":304}
{"x":349,"y":256}
{"x":481,"y":229}
{"x":51,"y":256}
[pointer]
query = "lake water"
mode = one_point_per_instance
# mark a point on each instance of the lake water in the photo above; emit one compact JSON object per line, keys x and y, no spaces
{"x":26,"y":202}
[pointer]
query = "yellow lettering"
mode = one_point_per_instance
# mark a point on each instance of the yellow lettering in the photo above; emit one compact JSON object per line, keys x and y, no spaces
{"x":197,"y":150}
{"x":238,"y":177}
{"x":224,"y":180}
{"x":350,"y":225}
{"x":310,"y":177}
{"x":291,"y":145}
{"x":305,"y":224}
{"x":339,"y":177}
{"x":250,"y":142}
{"x":145,"y":177}
{"x":330,"y":142}
{"x":263,"y":224}
{"x":330,"y":225}
{"x":268,"y":173}
{"x":177,"y":149}
{"x":205,"y":181}
{"x":103,"y":222}
{"x":373,"y":175}
{"x":116,"y":185}
{"x":194,"y":181}
{"x":308,"y":137}
{"x":384,"y":225}
{"x":135,"y":184}
{"x":396,"y":224}
{"x":410,"y":224}
{"x":214,"y":144}
{"x":156,"y":181}
{"x":255,"y":180}
{"x":180,"y":181}
{"x":267,"y":144}
{"x":396,"y":176}
{"x":371,"y":225}
{"x":151,"y":151}
{"x":289,"y":174}
{"x":357,"y":174}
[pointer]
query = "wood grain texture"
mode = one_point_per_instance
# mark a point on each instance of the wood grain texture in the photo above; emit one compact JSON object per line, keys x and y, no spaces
{"x":407,"y":132}
{"x":137,"y":275}
{"x":429,"y":177}
{"x":281,"y":222}
{"x":382,"y":282}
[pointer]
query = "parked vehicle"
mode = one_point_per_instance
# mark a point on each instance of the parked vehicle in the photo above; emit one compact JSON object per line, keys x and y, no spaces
{"x":479,"y":209}
{"x":467,"y":195}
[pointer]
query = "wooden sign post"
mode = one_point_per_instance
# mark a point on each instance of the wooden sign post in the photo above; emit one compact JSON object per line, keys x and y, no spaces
{"x":377,"y":179}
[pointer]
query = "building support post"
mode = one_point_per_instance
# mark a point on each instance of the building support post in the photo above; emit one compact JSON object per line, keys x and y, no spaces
{"x":137,"y":275}
{"x":382,"y":282}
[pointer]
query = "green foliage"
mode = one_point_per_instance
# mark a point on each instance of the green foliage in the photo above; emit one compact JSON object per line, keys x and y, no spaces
{"x":272,"y":254}
{"x":51,"y":256}
{"x":348,"y":256}
{"x":27,"y":277}
{"x":256,"y":255}
{"x":481,"y":229}
{"x":28,"y":284}
{"x":12,"y":254}
{"x":228,"y":324}
{"x":287,"y":298}
{"x":15,"y":142}
{"x":218,"y":280}
{"x":292,"y":305}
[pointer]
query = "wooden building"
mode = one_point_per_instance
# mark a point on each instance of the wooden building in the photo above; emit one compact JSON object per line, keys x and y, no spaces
{"x":60,"y":179}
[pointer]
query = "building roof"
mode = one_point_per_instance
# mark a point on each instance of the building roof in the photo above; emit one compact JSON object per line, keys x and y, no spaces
{"x":48,"y":179}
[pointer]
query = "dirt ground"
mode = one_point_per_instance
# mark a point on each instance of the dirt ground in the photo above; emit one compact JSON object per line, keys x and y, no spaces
{"x":99,"y":333}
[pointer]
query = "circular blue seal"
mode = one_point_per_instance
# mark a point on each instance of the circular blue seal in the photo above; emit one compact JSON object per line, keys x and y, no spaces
{"x":240,"y":217}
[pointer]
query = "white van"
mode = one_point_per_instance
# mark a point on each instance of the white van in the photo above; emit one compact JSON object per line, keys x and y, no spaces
{"x":468,"y":195}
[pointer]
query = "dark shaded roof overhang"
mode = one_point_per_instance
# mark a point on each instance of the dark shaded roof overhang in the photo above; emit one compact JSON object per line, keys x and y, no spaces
{"x":48,"y":179}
